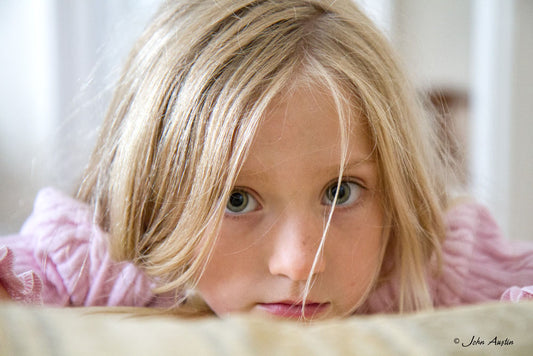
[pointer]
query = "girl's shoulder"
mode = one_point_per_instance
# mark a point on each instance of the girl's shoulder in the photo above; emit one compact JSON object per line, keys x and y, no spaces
{"x":467,"y":214}
{"x":52,"y":205}
{"x":58,"y":219}
{"x":478,"y":262}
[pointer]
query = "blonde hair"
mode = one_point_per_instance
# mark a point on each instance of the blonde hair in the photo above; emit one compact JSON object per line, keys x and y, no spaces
{"x":186,"y":109}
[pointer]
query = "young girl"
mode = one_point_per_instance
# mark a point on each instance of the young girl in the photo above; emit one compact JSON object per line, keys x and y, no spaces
{"x":266,"y":157}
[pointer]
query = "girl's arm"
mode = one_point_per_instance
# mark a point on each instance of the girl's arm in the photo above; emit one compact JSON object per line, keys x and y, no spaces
{"x":24,"y":287}
{"x":60,"y":258}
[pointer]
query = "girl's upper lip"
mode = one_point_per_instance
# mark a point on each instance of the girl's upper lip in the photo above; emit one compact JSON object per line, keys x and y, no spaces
{"x":295,"y":303}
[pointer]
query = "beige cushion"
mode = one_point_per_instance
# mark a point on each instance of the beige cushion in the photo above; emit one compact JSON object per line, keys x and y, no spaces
{"x":97,"y":331}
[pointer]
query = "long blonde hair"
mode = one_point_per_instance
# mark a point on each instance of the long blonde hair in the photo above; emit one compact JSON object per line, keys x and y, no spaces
{"x":188,"y":104}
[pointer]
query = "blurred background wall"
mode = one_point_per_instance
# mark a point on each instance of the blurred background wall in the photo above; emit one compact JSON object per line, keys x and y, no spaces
{"x":58,"y":63}
{"x":60,"y":59}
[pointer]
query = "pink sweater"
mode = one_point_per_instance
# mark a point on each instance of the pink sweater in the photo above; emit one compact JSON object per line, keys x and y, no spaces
{"x":59,"y":258}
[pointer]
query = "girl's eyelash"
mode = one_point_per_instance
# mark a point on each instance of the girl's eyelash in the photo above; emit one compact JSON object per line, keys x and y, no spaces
{"x":353,"y":180}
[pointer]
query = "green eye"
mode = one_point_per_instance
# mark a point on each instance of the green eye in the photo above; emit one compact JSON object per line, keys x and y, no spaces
{"x":240,"y":202}
{"x":349,"y":192}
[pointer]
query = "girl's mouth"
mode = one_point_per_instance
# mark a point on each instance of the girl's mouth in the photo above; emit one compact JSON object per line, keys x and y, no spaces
{"x":294,"y":310}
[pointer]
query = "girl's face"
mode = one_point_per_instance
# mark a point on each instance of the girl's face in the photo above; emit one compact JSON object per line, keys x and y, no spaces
{"x":278,"y":210}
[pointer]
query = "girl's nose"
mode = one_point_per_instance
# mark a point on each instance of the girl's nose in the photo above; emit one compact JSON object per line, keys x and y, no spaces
{"x":295,"y":247}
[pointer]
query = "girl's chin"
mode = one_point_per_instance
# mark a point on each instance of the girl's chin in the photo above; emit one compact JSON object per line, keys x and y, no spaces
{"x":282,"y":310}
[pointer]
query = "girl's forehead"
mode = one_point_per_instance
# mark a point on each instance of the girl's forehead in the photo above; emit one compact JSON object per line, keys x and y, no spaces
{"x":303,"y":127}
{"x":300,"y":110}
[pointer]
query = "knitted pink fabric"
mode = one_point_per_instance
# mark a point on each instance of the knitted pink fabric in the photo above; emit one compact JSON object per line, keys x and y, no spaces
{"x":60,"y":258}
{"x":60,"y":246}
{"x":479,"y":265}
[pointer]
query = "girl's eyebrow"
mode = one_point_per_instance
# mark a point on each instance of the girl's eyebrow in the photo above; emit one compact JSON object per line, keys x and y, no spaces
{"x":366,"y":163}
{"x":353,"y":163}
{"x":334,"y":169}
{"x":360,"y":161}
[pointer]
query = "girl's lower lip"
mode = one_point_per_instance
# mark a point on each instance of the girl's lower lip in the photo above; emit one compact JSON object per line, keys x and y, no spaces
{"x":294,"y":311}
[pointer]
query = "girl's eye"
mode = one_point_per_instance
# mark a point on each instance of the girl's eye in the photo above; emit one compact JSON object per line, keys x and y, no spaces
{"x":349,"y":192}
{"x":240,"y":202}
